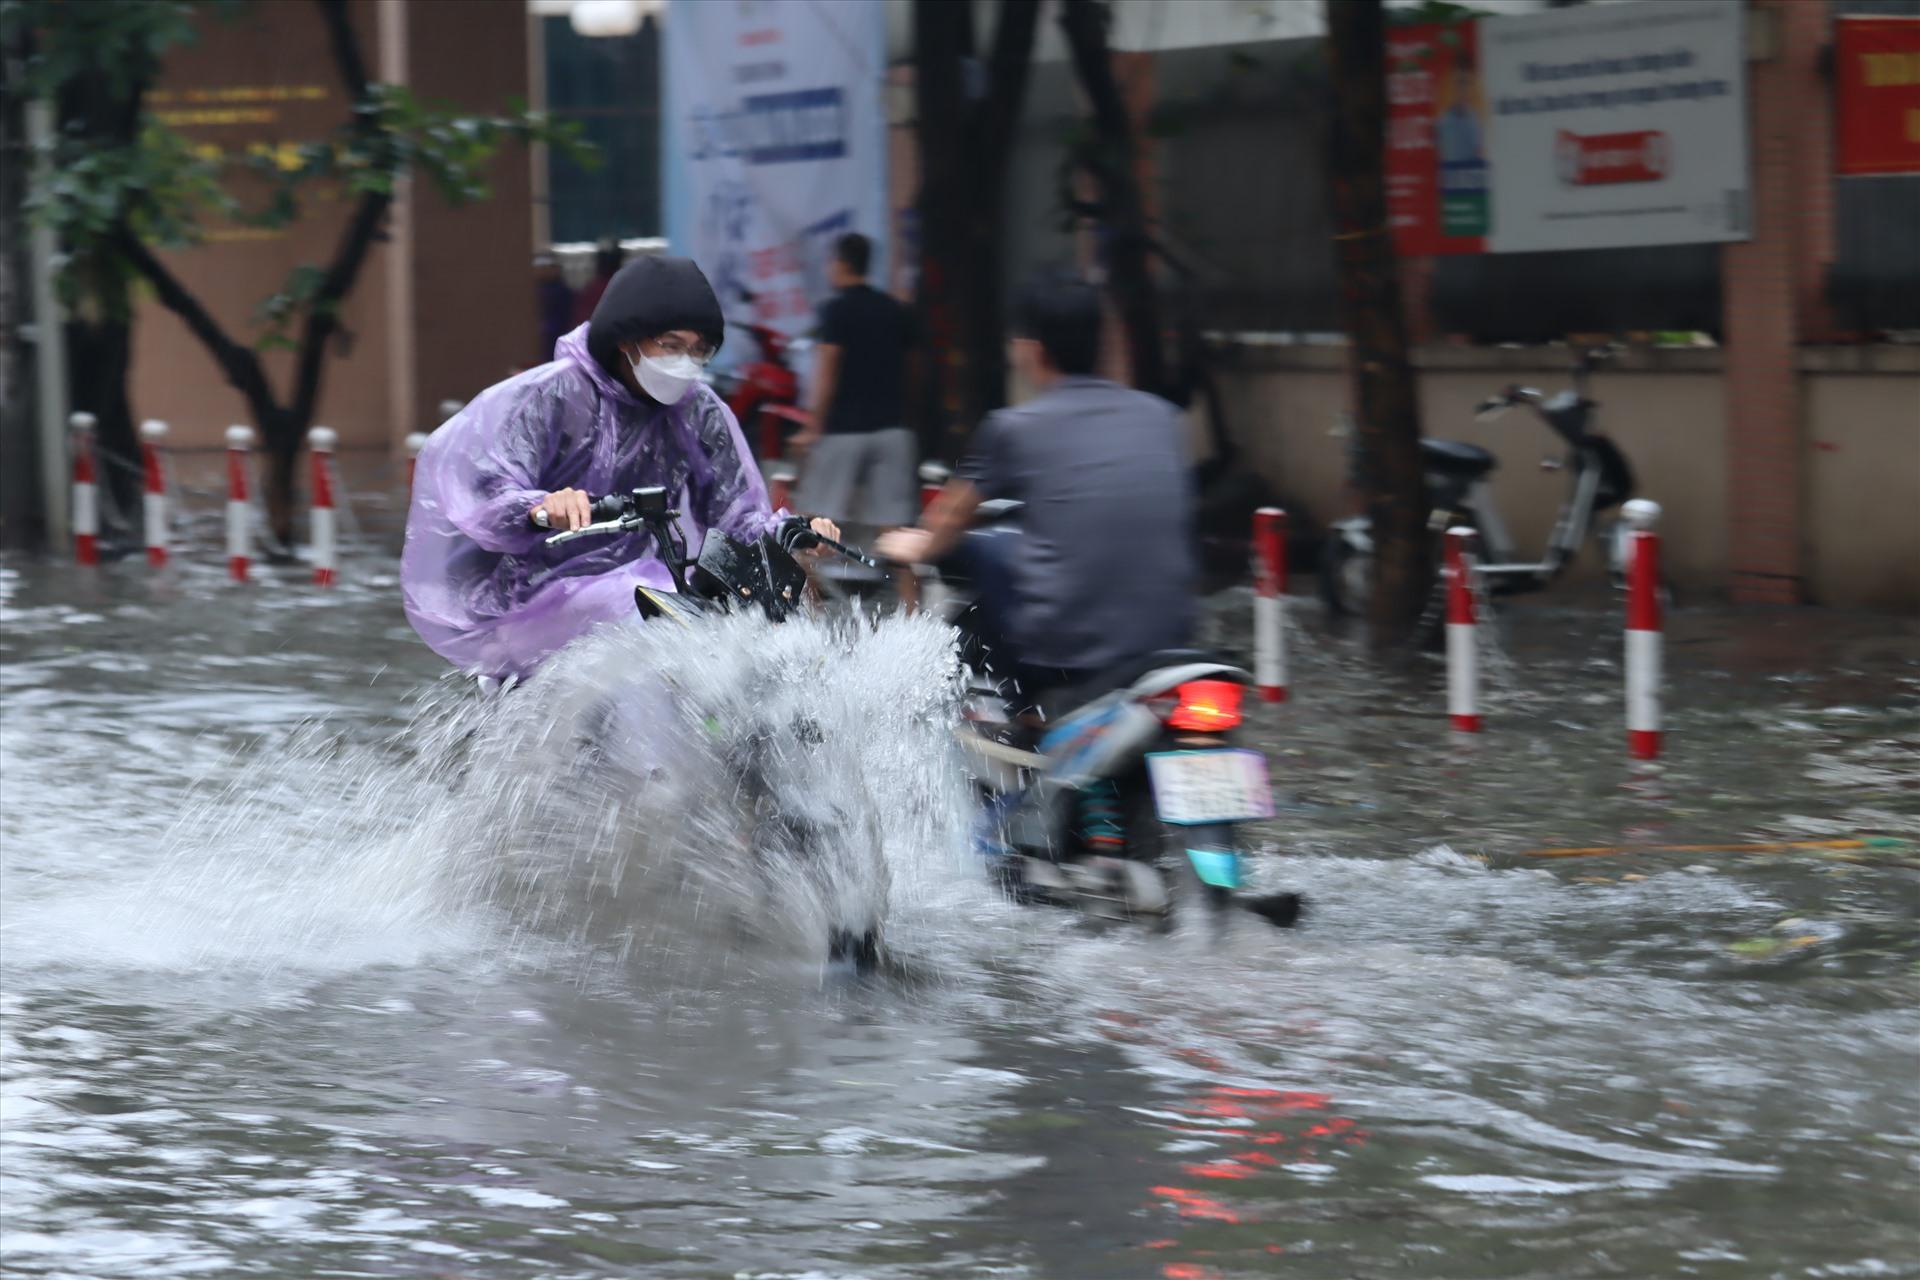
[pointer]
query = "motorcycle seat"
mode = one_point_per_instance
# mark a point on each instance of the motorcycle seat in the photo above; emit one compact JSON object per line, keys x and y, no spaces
{"x":1125,"y":673}
{"x":1456,"y":457}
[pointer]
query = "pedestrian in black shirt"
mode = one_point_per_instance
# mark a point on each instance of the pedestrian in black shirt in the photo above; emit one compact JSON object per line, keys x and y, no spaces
{"x":860,"y":456}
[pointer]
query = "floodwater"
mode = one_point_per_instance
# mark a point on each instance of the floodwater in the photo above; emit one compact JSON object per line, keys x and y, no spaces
{"x":316,"y":963}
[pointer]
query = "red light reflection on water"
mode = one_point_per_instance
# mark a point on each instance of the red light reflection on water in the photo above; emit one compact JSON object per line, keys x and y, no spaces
{"x":1188,"y":1271}
{"x":1244,"y":1120}
{"x":1191,"y":1204}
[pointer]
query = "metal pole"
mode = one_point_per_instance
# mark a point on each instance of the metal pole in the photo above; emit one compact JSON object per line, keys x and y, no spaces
{"x":50,"y":342}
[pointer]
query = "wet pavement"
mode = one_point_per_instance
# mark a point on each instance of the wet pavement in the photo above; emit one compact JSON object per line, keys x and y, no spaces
{"x":291,"y":986}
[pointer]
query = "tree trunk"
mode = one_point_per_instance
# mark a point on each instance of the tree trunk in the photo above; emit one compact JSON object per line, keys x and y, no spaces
{"x":982,"y":308}
{"x":966,"y":142}
{"x":942,"y":43}
{"x":1386,"y":406}
{"x":104,"y":107}
{"x":1128,"y":240}
{"x":992,"y":125}
{"x":99,"y":362}
{"x":22,"y":515}
{"x":283,"y":470}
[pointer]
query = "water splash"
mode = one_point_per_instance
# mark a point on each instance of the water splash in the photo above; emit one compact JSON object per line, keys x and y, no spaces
{"x":734,"y":779}
{"x":694,"y":801}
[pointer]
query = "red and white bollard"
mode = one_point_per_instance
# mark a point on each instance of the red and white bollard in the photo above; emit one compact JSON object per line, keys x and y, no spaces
{"x":415,"y":443}
{"x":1269,"y":596}
{"x":1463,"y":653}
{"x":86,"y":490}
{"x":239,"y":512}
{"x":933,"y":478}
{"x":153,"y":502}
{"x":1643,"y":629}
{"x":780,"y":477}
{"x":320,"y":442}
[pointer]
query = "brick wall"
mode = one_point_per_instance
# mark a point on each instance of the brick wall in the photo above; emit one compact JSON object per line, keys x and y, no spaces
{"x":1772,"y":292}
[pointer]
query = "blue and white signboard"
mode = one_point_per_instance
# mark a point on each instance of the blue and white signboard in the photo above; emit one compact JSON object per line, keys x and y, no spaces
{"x":774,"y":142}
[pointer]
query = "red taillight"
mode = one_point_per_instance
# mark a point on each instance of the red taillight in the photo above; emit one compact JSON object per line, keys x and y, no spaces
{"x":1207,"y":706}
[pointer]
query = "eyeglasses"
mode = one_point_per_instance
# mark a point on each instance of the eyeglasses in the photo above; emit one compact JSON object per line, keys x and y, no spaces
{"x":670,"y":345}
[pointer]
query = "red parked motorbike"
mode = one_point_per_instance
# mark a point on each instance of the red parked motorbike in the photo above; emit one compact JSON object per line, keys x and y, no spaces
{"x":764,"y":393}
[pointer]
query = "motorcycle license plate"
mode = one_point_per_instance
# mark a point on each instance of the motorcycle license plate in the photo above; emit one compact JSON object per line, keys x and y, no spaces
{"x":1195,"y":787}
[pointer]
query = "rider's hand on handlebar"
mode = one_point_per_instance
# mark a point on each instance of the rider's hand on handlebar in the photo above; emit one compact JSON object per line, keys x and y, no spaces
{"x":565,"y":509}
{"x":826,"y":529}
{"x":802,"y":536}
{"x":906,"y":546}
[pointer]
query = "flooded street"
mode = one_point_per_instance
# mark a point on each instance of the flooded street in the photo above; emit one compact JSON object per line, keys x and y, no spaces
{"x":313,"y":964}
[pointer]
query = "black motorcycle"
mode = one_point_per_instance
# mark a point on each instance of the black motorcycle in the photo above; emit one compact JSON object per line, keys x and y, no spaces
{"x":786,"y":825}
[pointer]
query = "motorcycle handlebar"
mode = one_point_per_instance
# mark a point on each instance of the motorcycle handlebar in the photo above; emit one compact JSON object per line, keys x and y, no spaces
{"x":610,"y":512}
{"x":587,"y":530}
{"x":796,"y":534}
{"x":1494,"y":406}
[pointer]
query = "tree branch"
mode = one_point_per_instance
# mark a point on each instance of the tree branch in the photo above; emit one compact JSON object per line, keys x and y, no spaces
{"x":323,"y":312}
{"x":346,"y":50}
{"x":239,"y":363}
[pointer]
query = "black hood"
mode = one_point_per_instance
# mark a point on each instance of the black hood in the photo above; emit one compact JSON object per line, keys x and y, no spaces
{"x":648,"y":297}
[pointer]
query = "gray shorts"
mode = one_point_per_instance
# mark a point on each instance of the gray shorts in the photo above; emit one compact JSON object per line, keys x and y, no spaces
{"x":877,"y":466}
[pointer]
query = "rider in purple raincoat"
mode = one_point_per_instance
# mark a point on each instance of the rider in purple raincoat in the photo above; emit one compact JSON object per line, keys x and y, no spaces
{"x":620,"y":407}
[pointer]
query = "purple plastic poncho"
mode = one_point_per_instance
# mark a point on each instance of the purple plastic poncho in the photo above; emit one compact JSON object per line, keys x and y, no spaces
{"x":481,"y":586}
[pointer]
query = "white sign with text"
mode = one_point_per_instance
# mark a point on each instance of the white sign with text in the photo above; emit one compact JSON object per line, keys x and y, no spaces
{"x":1617,"y":125}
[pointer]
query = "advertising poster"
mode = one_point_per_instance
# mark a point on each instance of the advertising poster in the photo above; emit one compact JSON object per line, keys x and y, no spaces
{"x":1877,"y":78}
{"x":1614,"y":126}
{"x":774,"y":143}
{"x":1437,"y":188}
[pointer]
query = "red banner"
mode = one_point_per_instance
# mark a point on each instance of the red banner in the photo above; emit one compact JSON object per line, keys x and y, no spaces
{"x":1877,"y":63}
{"x":1437,"y":189}
{"x":1644,"y":155}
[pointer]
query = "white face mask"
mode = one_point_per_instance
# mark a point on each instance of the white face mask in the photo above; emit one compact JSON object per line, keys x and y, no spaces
{"x":667,"y":379}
